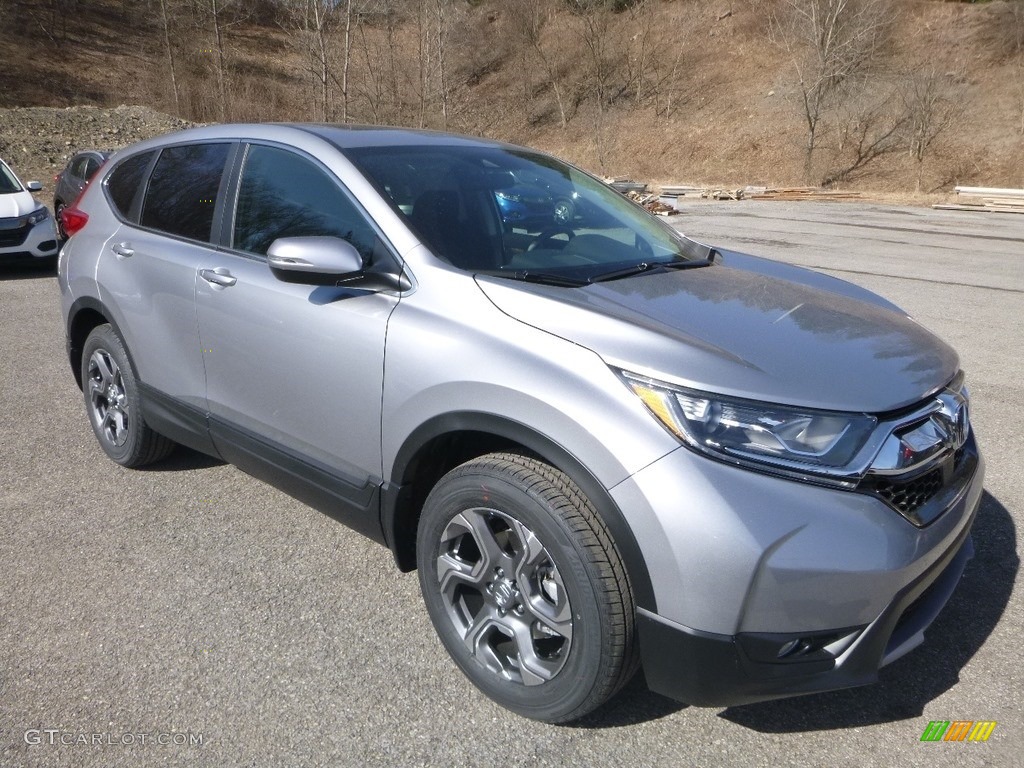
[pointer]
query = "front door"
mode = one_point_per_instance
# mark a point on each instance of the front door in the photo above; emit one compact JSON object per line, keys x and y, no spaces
{"x":294,"y":373}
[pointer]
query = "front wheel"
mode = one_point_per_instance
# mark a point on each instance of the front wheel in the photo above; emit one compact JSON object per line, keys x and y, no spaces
{"x":525,"y":587}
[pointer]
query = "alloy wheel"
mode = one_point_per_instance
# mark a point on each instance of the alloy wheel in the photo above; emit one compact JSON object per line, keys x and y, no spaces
{"x":504,"y":595}
{"x":108,"y":400}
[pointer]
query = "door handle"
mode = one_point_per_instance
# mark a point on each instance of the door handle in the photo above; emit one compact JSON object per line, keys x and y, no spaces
{"x":219,"y":276}
{"x":122,"y":250}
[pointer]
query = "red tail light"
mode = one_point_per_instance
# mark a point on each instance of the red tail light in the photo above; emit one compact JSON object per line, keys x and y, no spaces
{"x":73,"y":219}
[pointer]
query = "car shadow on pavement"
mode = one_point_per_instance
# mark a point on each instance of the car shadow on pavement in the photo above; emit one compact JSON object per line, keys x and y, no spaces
{"x":633,"y":704}
{"x":926,"y":672}
{"x":184,"y":459}
{"x":29,"y":270}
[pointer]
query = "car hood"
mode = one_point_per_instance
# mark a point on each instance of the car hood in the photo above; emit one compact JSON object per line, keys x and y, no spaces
{"x":746,"y":328}
{"x":16,"y":204}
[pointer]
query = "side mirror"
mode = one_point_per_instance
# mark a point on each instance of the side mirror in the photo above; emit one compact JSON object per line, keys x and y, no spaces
{"x":313,"y":260}
{"x":33,"y":186}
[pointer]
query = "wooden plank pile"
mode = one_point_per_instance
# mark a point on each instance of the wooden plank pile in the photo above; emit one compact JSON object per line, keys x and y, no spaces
{"x":988,"y":199}
{"x":677,"y":193}
{"x":796,"y":193}
{"x":652,"y":203}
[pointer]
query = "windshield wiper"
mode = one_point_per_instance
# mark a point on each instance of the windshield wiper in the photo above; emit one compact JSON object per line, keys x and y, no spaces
{"x":531,"y":276}
{"x":646,"y":266}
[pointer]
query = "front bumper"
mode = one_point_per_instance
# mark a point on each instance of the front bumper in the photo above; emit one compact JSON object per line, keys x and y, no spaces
{"x":22,"y":243}
{"x":712,"y":670}
{"x":767,"y":587}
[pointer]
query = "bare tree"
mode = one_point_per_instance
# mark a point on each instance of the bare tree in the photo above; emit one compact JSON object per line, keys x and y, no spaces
{"x":47,"y":16}
{"x":867,"y":132}
{"x":172,"y":71}
{"x":933,"y":102}
{"x":379,"y":86}
{"x":216,"y":9}
{"x":599,"y":52}
{"x":441,"y":17}
{"x":310,"y":23}
{"x":527,"y":25}
{"x":347,"y":61}
{"x":640,"y":46}
{"x":832,"y":44}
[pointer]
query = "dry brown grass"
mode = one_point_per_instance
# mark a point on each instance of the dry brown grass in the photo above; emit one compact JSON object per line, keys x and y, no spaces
{"x":734,"y":119}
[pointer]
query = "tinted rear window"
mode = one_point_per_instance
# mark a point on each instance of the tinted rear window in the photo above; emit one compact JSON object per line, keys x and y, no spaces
{"x":183,"y":190}
{"x":124,"y":180}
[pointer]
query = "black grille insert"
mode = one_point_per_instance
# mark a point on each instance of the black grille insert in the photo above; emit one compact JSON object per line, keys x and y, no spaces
{"x":12,"y":237}
{"x":911,"y":495}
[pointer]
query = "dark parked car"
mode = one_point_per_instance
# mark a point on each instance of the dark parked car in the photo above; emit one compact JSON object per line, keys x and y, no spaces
{"x":529,"y":203}
{"x":70,"y":182}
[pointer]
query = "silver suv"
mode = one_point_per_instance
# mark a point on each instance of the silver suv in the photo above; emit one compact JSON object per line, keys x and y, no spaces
{"x":603,"y":445}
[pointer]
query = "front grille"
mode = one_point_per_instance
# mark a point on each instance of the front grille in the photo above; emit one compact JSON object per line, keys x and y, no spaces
{"x":909,"y":496}
{"x":12,"y":237}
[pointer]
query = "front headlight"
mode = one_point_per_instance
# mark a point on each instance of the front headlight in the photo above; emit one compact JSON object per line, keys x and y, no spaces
{"x":41,"y":214}
{"x":779,"y":438}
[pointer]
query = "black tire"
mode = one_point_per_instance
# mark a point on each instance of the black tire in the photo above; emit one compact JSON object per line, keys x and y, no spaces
{"x":565,"y":211}
{"x":58,"y":207}
{"x":112,"y":402}
{"x":543,"y":622}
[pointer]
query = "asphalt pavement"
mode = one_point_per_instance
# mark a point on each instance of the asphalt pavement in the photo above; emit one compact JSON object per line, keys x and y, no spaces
{"x":189,"y":615}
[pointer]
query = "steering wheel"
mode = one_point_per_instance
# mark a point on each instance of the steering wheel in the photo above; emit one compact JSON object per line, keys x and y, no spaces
{"x":548,"y":235}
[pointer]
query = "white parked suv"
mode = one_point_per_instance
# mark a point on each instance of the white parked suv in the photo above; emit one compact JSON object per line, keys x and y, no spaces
{"x":26,"y":228}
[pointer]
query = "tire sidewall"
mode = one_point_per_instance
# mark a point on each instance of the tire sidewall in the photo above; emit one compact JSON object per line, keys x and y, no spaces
{"x":574,"y":683}
{"x":104,"y":338}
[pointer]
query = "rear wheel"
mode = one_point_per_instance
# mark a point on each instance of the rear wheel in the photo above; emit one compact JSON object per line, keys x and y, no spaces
{"x":113,"y":403}
{"x":526,"y":588}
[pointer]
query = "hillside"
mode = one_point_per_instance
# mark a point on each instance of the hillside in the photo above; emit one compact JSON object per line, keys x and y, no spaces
{"x":682,"y":91}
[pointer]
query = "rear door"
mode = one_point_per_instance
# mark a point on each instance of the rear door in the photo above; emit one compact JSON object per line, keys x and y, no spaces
{"x":294,"y":372}
{"x":147,"y":270}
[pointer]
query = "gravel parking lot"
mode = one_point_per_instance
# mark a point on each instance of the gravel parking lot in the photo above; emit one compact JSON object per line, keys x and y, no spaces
{"x":142,"y":612}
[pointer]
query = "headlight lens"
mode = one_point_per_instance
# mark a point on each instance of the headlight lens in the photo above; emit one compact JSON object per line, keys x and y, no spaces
{"x":42,"y":214}
{"x":744,"y":431}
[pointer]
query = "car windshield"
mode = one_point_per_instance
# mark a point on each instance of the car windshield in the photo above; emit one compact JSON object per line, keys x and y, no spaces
{"x":522,"y":215}
{"x":8,"y":181}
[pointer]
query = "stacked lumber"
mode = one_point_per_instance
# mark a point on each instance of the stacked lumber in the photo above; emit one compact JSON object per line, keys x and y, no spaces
{"x":682,"y":190}
{"x":796,"y":193}
{"x":989,"y":199}
{"x":675,"y":194}
{"x":652,"y":203}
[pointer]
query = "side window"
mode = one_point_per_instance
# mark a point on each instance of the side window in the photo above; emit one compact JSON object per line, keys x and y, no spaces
{"x":123,"y":182}
{"x":284,"y":195}
{"x":91,"y":166}
{"x":78,"y":168}
{"x":183,"y":188}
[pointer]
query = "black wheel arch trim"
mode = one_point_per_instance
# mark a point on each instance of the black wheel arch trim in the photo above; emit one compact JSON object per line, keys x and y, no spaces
{"x":95,"y":305}
{"x":397,"y":490}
